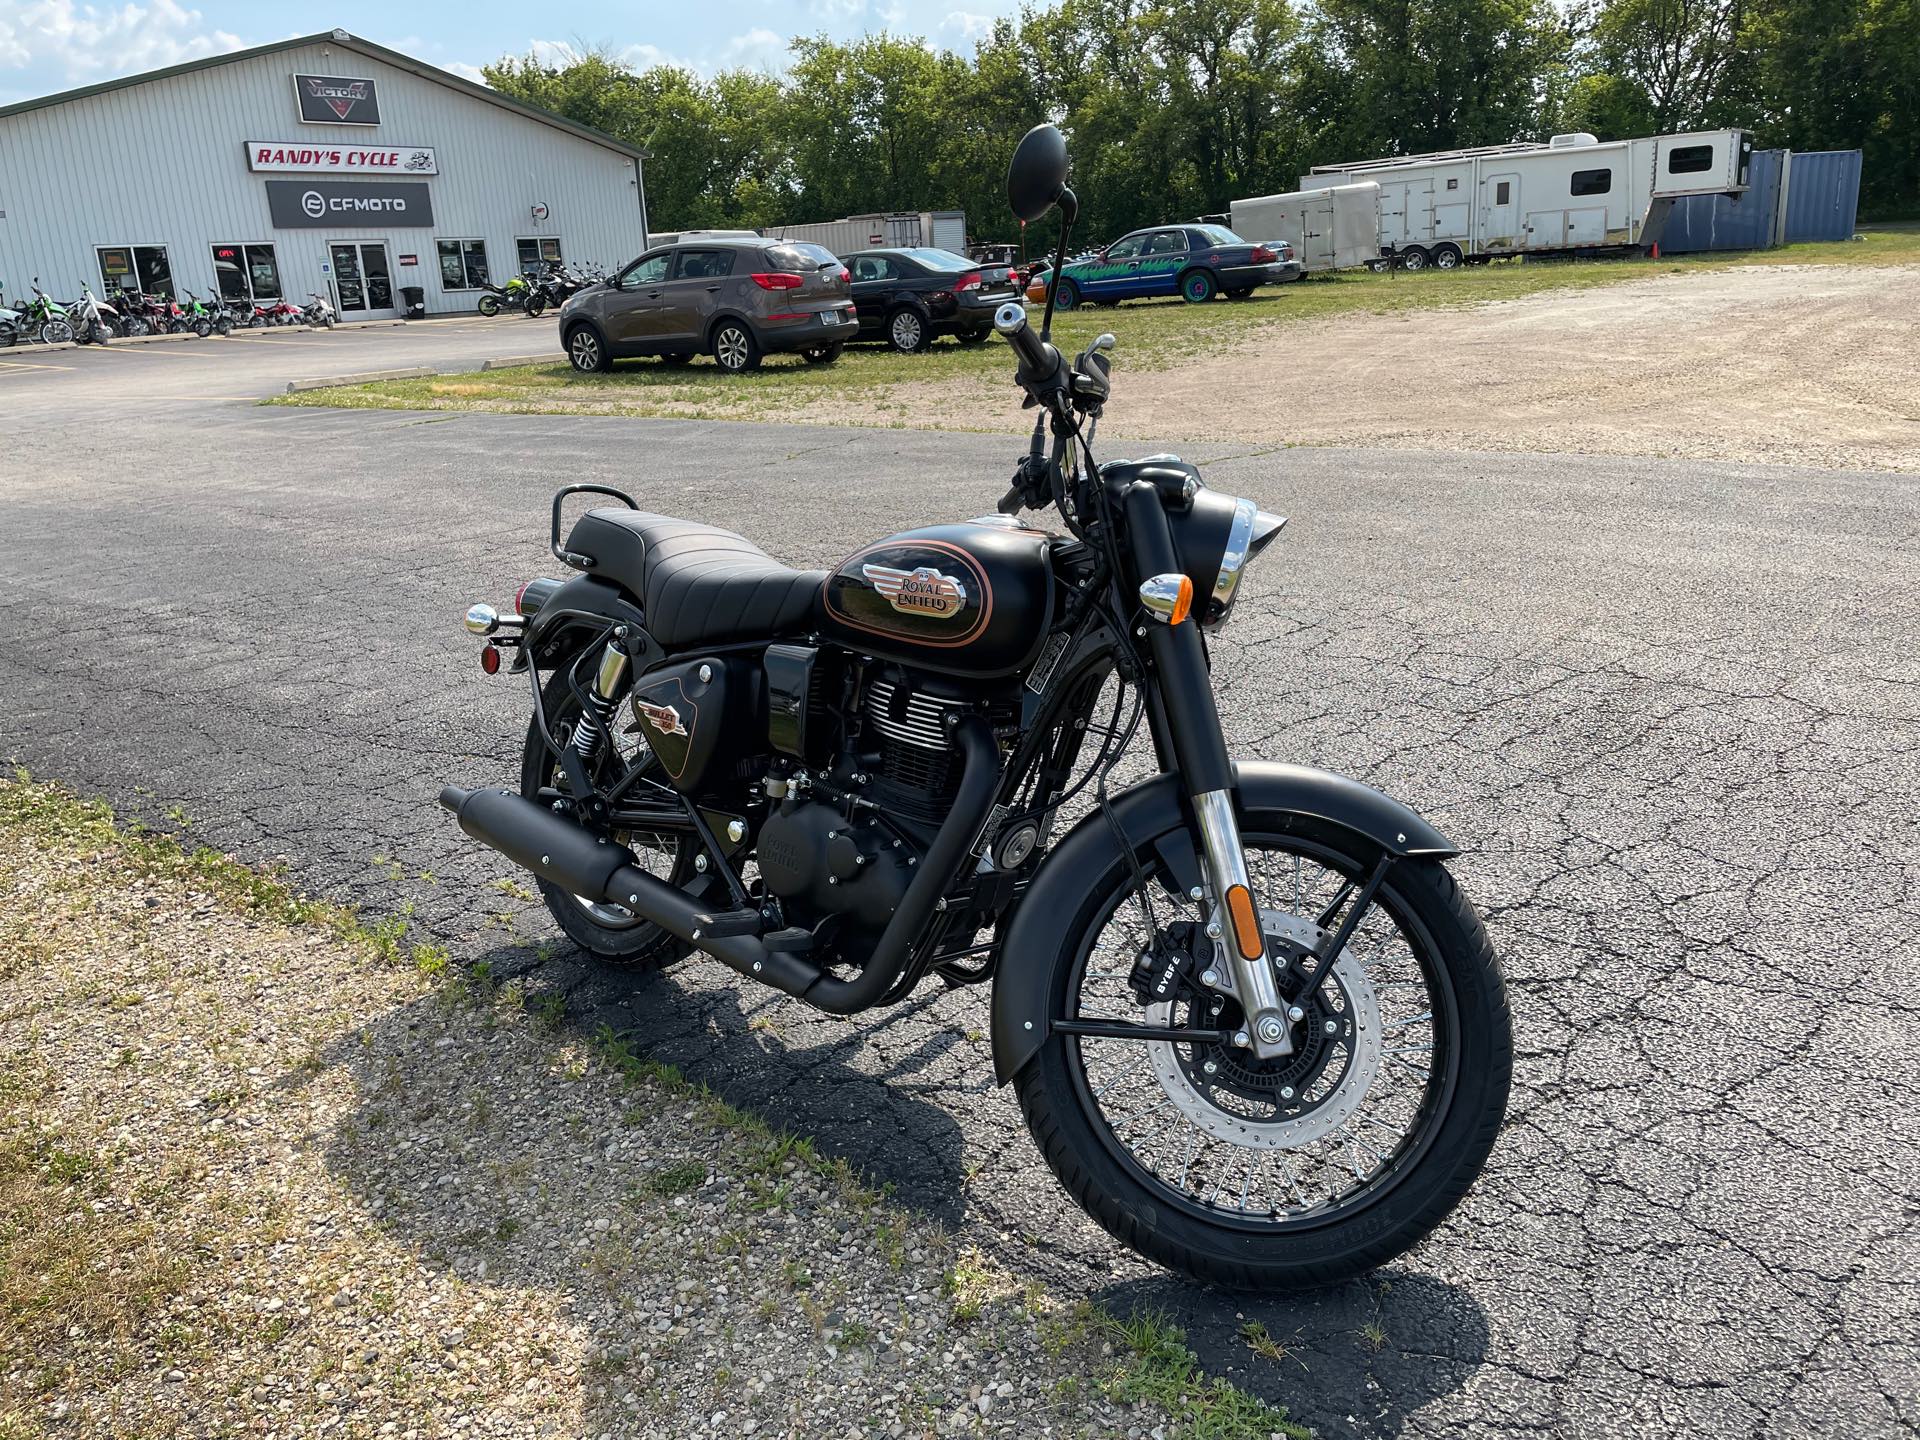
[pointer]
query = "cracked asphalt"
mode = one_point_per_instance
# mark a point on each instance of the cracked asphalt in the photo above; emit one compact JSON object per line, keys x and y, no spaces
{"x":1670,"y":711}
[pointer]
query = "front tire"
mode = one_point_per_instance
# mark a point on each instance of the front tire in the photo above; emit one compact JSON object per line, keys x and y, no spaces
{"x":1414,"y":258}
{"x":585,"y":352}
{"x":56,"y":332}
{"x":734,"y":348}
{"x":1298,"y":1204}
{"x":908,"y":331}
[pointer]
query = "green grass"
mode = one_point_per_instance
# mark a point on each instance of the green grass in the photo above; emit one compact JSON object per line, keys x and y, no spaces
{"x":864,"y":387}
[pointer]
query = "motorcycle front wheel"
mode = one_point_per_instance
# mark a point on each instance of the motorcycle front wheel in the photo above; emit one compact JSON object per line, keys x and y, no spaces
{"x":1300,"y":1170}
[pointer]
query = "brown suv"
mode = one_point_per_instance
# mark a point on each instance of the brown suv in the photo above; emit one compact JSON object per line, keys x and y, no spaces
{"x":734,"y":299}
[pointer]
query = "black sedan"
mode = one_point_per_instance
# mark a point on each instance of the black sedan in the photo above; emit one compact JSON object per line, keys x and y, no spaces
{"x":908,"y":295}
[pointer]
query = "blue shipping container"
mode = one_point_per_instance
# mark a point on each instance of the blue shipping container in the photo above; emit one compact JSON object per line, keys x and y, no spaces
{"x":1748,"y":221}
{"x":1823,"y":195}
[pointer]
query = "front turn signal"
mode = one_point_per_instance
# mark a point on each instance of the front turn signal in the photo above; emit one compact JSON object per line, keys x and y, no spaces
{"x":1167,"y":597}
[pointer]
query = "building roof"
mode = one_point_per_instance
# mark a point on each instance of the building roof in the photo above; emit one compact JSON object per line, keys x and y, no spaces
{"x":344,"y":41}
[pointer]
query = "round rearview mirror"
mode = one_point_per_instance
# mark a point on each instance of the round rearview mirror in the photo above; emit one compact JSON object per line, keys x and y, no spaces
{"x":1038,"y":172}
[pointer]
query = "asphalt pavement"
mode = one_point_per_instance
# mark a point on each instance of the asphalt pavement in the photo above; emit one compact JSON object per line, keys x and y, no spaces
{"x":1670,"y":711}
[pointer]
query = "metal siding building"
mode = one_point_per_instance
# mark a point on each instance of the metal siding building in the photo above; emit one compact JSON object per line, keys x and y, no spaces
{"x":103,"y":177}
{"x":1823,"y":195}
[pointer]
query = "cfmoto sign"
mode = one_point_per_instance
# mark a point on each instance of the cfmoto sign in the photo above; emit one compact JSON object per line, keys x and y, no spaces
{"x":348,"y":205}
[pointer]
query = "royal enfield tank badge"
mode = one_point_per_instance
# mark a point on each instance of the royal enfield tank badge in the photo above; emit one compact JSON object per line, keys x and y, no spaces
{"x":922,"y":591}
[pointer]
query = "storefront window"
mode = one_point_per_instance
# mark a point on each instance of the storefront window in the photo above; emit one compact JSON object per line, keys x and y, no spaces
{"x":246,"y":272}
{"x":538,"y":252}
{"x":463,"y":264}
{"x":136,"y":267}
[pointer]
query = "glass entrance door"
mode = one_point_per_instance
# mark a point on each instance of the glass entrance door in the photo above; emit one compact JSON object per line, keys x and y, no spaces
{"x":361,"y":276}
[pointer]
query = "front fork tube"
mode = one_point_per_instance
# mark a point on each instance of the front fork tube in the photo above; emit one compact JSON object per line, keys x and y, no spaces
{"x":1199,"y":751}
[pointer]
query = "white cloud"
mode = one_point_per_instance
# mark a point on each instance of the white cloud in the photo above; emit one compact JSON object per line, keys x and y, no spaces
{"x":759,"y":49}
{"x":77,"y":44}
{"x":967,"y":24}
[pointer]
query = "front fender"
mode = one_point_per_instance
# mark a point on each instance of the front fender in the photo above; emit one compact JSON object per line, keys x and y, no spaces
{"x":1154,"y":817}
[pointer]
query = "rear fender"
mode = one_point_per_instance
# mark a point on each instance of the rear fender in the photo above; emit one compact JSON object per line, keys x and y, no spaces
{"x":1156,"y":820}
{"x":587,"y":605}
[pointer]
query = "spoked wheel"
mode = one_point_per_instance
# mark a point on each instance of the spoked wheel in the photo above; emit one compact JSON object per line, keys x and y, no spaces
{"x":1302,"y":1169}
{"x":610,"y":933}
{"x":55,"y":332}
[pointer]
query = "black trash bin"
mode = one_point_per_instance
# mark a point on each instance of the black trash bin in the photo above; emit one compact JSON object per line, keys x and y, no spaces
{"x":415,"y":300}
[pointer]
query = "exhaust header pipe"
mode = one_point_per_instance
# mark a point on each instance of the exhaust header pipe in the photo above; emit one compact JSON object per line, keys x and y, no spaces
{"x":581,"y":863}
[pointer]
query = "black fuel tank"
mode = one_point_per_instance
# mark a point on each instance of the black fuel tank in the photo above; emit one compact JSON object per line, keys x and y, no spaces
{"x":971,"y":599}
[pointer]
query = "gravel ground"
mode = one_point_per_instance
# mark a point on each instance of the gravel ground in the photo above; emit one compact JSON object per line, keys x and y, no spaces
{"x":275,"y":1180}
{"x":1788,"y":364}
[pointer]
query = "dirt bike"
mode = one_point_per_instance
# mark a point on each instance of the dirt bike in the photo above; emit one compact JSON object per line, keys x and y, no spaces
{"x":1254,"y":1025}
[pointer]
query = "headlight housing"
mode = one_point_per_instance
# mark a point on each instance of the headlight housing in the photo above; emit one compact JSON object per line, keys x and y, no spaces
{"x":1216,"y":538}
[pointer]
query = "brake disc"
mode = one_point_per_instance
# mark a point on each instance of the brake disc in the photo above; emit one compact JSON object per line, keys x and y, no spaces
{"x":1310,"y":1093}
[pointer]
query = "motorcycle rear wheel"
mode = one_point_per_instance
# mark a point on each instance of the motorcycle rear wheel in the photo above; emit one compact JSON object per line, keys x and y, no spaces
{"x":1243,"y":1188}
{"x":609,"y":933}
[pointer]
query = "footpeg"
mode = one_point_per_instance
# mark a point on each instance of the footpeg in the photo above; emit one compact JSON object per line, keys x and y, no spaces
{"x":727,"y":924}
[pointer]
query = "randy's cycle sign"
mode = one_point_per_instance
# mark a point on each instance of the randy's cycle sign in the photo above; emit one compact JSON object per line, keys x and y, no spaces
{"x":337,"y":100}
{"x":345,"y":205}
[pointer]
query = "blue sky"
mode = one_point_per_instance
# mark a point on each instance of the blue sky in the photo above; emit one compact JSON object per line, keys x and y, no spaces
{"x":48,"y":45}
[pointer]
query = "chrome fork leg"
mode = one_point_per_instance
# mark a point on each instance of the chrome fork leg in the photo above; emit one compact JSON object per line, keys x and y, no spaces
{"x":1234,"y":911}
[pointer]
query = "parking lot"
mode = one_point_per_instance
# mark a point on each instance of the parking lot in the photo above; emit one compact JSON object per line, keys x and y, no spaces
{"x":1665,"y":705}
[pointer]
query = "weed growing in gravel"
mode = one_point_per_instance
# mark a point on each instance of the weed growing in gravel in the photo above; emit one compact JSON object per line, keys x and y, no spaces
{"x":1261,"y":1342}
{"x":678,"y":1179}
{"x":1157,"y":1367}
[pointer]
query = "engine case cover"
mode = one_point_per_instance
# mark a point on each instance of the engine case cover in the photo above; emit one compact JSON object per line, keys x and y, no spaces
{"x":967,"y":599}
{"x":811,"y":853}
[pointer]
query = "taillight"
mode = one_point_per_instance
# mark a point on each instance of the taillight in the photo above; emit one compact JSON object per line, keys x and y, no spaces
{"x":1263,"y":256}
{"x":528,"y":599}
{"x":969,"y":282}
{"x":777,"y":280}
{"x":846,"y":276}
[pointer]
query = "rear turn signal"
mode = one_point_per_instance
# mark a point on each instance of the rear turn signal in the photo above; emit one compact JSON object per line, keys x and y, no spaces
{"x":1167,"y":597}
{"x":1246,"y":924}
{"x":777,"y":280}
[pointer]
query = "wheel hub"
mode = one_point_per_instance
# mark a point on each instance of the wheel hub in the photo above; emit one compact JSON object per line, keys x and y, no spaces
{"x":1291,"y":1100}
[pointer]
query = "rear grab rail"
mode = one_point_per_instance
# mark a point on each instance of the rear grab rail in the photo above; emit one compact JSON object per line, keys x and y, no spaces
{"x":574,"y":557}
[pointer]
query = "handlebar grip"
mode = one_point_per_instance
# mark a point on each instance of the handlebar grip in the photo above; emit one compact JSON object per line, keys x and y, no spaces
{"x":1011,"y":321}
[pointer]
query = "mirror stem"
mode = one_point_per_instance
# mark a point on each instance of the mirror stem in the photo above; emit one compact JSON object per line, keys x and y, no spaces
{"x":1069,"y":212}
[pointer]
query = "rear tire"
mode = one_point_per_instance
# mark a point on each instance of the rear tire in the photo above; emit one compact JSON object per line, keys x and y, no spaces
{"x":489,"y":305}
{"x":972,"y":337}
{"x":1414,"y":1186}
{"x":1414,"y":258}
{"x":605,"y":932}
{"x":586,"y":352}
{"x":1238,"y":294}
{"x":734,"y":348}
{"x":1197,"y":287}
{"x":1067,"y":297}
{"x":1446,"y":257}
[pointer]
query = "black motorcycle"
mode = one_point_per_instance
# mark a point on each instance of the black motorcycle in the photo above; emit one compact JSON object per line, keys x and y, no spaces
{"x":1255,"y":1027}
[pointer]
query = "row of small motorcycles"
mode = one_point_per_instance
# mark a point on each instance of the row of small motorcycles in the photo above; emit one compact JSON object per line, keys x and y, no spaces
{"x":534,"y":293}
{"x":93,"y":321}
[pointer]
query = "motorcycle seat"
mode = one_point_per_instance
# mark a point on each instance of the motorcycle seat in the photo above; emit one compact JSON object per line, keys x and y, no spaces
{"x":697,"y":584}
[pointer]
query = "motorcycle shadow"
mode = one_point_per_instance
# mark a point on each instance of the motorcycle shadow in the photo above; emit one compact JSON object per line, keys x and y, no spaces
{"x":1357,"y":1359}
{"x":846,"y":1086}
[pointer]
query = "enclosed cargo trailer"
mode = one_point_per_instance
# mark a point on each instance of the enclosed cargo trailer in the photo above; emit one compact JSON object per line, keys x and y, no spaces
{"x":1573,"y":194}
{"x":941,"y":229}
{"x":1332,"y":227}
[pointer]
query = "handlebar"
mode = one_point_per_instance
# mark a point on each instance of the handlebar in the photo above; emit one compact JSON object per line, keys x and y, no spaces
{"x":1011,"y":321}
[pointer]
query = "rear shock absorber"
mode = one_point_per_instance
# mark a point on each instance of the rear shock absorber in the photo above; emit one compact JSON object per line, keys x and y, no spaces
{"x":596,"y":719}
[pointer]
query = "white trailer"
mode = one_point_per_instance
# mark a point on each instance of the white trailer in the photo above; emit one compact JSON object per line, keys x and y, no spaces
{"x":1574,"y":193}
{"x":941,"y":229}
{"x":1331,"y":227}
